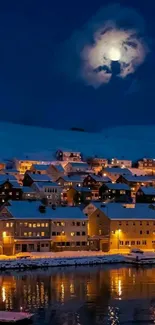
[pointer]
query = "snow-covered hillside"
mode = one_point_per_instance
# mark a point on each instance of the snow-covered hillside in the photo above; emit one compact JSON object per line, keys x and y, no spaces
{"x":128,"y":141}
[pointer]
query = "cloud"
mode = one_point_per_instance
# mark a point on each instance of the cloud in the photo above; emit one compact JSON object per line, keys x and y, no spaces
{"x":86,"y":55}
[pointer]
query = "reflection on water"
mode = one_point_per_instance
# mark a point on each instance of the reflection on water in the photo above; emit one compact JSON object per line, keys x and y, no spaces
{"x":84,"y":295}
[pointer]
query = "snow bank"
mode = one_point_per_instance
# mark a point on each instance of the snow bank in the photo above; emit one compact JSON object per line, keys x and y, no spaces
{"x":31,"y":263}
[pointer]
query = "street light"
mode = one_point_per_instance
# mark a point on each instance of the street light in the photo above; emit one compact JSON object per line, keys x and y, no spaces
{"x":118,"y":236}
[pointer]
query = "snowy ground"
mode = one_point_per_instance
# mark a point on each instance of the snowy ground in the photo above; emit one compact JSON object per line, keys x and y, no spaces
{"x":130,"y":142}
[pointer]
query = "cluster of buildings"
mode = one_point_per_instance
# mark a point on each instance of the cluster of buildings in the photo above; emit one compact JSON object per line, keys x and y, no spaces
{"x":72,"y":203}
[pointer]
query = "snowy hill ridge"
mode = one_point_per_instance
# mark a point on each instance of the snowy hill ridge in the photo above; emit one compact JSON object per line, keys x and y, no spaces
{"x":130,"y":142}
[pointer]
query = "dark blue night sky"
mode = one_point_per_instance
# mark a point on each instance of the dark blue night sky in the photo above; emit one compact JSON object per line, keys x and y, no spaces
{"x":31,"y":92}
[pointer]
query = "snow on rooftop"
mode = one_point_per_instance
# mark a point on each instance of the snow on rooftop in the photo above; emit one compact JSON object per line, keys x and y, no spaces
{"x":30,"y":210}
{"x":123,"y":211}
{"x":138,"y":179}
{"x":148,"y":190}
{"x":40,"y":167}
{"x":27,"y":189}
{"x":118,"y":186}
{"x":117,"y":170}
{"x":40,"y":177}
{"x":10,"y":178}
{"x":47,"y":184}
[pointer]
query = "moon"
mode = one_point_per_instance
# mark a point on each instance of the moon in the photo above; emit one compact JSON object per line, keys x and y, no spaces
{"x":114,"y":54}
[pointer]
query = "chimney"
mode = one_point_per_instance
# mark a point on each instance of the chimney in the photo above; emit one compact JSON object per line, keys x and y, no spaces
{"x":42,"y":208}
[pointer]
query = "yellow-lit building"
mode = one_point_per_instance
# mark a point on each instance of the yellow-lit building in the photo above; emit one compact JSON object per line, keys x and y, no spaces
{"x":30,"y":226}
{"x":22,"y":165}
{"x":121,"y":226}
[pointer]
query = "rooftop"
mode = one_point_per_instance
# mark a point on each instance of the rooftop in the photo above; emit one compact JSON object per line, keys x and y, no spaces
{"x":148,"y":190}
{"x":59,"y":168}
{"x":101,"y":179}
{"x":40,"y":177}
{"x":73,"y":178}
{"x":117,"y":170}
{"x":139,"y":179}
{"x":79,"y":165}
{"x":40,"y":167}
{"x":10,"y":178}
{"x":47,"y":184}
{"x":30,"y":210}
{"x":118,"y":186}
{"x":27,"y":189}
{"x":119,"y":211}
{"x":82,"y":189}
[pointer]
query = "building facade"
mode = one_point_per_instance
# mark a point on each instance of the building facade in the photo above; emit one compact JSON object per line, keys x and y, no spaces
{"x":32,"y":227}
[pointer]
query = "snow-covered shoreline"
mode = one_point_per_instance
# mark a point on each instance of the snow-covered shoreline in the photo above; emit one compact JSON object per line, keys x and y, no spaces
{"x":32,"y":263}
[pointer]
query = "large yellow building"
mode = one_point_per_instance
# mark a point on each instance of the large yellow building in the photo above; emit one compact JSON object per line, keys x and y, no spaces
{"x":30,"y":226}
{"x":121,"y":226}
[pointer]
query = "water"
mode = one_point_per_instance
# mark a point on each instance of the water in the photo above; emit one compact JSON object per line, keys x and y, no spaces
{"x":83,"y":295}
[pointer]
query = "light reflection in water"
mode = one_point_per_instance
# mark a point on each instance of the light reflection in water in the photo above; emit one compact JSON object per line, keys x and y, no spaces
{"x":79,"y":295}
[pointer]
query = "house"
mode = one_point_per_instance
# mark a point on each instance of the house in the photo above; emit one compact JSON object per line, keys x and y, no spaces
{"x":9,"y":190}
{"x":3,"y":164}
{"x":116,"y":226}
{"x":28,"y":193}
{"x":136,"y":181}
{"x":121,"y":163}
{"x":55,"y":171}
{"x":114,"y":172}
{"x":12,"y":172}
{"x":69,"y":181}
{"x":145,"y":194}
{"x":118,"y":192}
{"x":68,"y":155}
{"x":97,"y":163}
{"x":30,"y":178}
{"x":39,"y":169}
{"x":76,"y":167}
{"x":148,"y":165}
{"x":78,"y":195}
{"x":25,"y":163}
{"x":94,"y":181}
{"x":30,"y":226}
{"x":50,"y":192}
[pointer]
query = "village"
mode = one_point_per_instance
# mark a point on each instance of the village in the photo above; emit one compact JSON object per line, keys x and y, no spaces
{"x":76,"y":204}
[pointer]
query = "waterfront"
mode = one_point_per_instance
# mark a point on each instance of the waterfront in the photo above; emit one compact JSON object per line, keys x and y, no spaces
{"x":83,"y":295}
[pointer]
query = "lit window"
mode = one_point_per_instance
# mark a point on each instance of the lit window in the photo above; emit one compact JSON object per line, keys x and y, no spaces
{"x":28,"y":194}
{"x":46,"y":224}
{"x":3,"y":193}
{"x":30,"y":234}
{"x":122,"y":192}
{"x":42,"y":225}
{"x":17,"y":193}
{"x":25,"y":233}
{"x":11,"y":224}
{"x":34,"y":225}
{"x":38,"y":224}
{"x":30,"y":225}
{"x":100,"y":232}
{"x":127,"y":243}
{"x":72,"y":234}
{"x":25,"y":224}
{"x":3,"y":200}
{"x":62,"y":233}
{"x":7,"y":225}
{"x":42,"y":233}
{"x":10,"y":193}
{"x":38,"y":234}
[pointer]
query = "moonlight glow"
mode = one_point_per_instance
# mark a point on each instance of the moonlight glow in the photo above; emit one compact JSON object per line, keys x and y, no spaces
{"x":114,"y":54}
{"x":115,"y":33}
